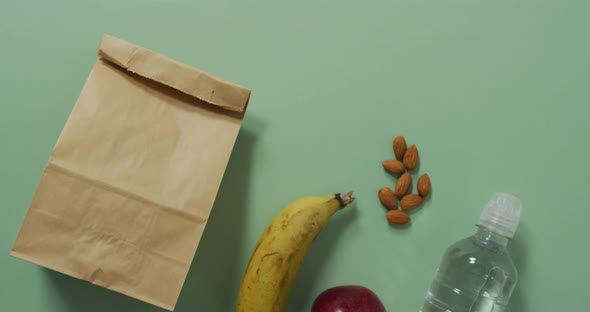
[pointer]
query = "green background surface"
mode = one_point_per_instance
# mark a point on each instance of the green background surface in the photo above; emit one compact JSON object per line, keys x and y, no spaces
{"x":495,"y":94}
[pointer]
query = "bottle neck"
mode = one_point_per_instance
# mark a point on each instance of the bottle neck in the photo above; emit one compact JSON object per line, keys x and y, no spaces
{"x":487,"y":237}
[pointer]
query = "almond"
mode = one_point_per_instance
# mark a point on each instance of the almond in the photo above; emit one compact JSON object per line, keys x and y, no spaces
{"x":424,"y":185}
{"x":397,"y":217}
{"x":387,"y":198}
{"x":411,"y":157}
{"x":394,"y":166}
{"x":402,"y":187}
{"x":399,"y":147}
{"x":410,"y":201}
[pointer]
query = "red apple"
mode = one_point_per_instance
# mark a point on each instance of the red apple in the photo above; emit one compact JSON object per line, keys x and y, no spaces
{"x":350,"y":298}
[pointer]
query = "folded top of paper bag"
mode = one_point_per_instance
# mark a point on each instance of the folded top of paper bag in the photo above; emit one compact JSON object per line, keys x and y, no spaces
{"x":167,"y":71}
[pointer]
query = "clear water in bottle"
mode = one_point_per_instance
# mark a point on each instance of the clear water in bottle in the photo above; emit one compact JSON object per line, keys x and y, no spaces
{"x":477,"y":273}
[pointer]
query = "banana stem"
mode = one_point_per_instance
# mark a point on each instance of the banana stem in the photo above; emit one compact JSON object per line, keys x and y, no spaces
{"x":345,"y":198}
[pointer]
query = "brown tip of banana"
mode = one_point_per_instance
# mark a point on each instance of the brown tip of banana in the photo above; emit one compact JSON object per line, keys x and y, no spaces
{"x":345,"y":198}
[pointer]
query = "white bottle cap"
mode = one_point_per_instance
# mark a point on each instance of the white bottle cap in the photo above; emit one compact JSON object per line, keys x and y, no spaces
{"x":502,"y":214}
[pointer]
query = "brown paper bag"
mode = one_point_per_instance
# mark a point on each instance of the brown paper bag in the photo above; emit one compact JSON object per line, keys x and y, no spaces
{"x":129,"y":186}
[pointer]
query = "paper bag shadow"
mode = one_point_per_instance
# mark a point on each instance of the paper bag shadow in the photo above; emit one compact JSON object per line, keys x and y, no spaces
{"x":213,"y":280}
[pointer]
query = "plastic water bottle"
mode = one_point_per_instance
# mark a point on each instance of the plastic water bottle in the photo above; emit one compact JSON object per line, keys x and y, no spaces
{"x":477,"y":274}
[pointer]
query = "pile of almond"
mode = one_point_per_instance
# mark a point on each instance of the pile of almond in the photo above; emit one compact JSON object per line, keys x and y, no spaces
{"x":407,"y":160}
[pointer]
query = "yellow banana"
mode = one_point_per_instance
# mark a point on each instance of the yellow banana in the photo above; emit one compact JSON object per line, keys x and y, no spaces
{"x":280,"y":250}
